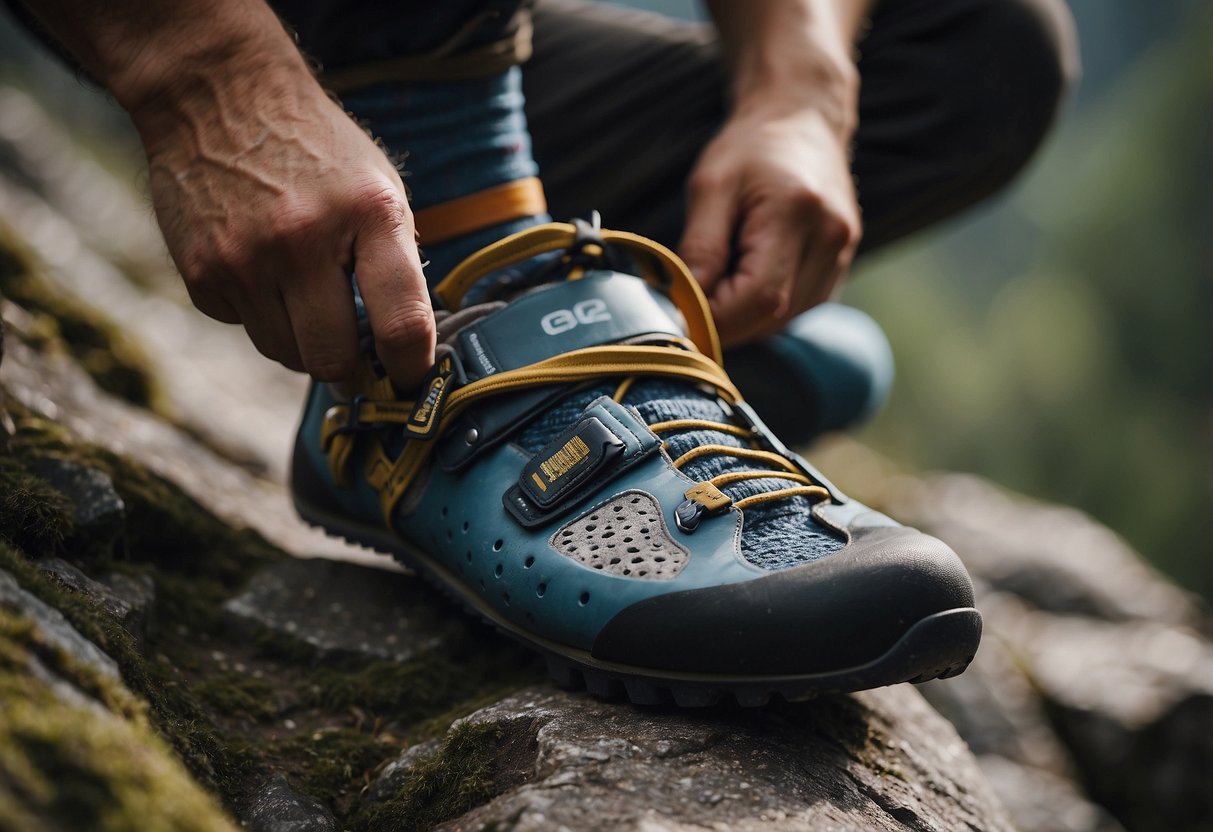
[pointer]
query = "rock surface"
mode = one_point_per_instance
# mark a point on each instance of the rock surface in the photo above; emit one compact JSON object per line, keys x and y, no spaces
{"x":880,"y":760}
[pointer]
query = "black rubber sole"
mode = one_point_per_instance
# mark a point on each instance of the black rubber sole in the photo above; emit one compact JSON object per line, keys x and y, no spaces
{"x":937,"y":647}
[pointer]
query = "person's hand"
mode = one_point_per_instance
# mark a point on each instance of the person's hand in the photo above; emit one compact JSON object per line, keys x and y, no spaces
{"x":772,"y":219}
{"x":269,"y":197}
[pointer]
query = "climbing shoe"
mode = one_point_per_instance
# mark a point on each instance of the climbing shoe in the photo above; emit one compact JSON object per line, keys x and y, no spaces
{"x":578,"y":470}
{"x":829,"y":370}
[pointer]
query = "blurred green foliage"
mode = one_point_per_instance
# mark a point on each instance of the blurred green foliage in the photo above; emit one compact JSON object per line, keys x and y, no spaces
{"x":1066,"y":348}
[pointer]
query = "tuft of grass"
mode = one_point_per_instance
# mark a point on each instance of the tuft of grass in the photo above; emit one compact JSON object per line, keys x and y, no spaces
{"x":332,"y":765}
{"x":33,"y":515}
{"x":475,"y":763}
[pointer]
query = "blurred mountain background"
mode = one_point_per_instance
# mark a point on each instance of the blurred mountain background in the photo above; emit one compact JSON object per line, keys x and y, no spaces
{"x":1058,"y":339}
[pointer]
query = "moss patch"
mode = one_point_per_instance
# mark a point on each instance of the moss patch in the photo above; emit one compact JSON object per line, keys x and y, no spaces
{"x":238,"y":694}
{"x":334,"y":765}
{"x":474,"y":764}
{"x":413,"y":692}
{"x":33,"y":515}
{"x":120,"y":775}
{"x":114,"y":362}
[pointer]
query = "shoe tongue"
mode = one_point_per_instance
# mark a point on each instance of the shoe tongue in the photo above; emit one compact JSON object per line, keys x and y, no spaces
{"x":601,"y":307}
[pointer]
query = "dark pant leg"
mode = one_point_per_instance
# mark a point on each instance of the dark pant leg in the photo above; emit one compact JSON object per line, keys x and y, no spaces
{"x":956,"y":95}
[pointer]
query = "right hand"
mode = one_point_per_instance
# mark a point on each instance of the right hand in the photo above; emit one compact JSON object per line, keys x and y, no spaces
{"x":269,"y":197}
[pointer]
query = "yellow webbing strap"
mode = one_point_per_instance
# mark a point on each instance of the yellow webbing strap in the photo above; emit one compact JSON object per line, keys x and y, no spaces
{"x":576,"y":366}
{"x":556,"y":236}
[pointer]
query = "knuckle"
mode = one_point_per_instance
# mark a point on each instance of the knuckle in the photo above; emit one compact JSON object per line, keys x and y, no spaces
{"x":410,"y":325}
{"x":292,"y":219}
{"x":837,"y":233}
{"x":384,"y":207}
{"x":772,"y":298}
{"x":805,"y":201}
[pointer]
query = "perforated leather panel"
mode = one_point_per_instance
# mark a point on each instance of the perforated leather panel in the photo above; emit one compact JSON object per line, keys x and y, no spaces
{"x":625,"y":536}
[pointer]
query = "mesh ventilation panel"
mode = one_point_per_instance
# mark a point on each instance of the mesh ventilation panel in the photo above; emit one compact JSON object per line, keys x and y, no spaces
{"x":624,"y":536}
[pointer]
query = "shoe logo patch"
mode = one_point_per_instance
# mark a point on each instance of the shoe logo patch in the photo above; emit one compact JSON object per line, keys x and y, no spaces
{"x":592,"y":311}
{"x":561,"y":462}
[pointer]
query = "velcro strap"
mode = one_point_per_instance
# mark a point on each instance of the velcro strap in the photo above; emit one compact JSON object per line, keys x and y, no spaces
{"x":600,"y":308}
{"x":606,"y":441}
{"x":482,"y":209}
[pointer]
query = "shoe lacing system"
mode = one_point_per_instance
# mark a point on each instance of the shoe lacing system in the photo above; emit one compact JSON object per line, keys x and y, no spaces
{"x":696,"y":360}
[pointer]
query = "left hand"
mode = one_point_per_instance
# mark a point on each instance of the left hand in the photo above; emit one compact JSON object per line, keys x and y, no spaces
{"x":775,"y":182}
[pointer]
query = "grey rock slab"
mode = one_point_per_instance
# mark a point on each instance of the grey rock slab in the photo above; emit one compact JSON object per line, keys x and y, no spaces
{"x":55,"y":628}
{"x":998,"y":712}
{"x":1058,"y":559}
{"x":880,"y":760}
{"x":1041,"y":801}
{"x":343,"y":607}
{"x":98,"y":510}
{"x":1133,"y":704}
{"x":278,"y":808}
{"x":120,"y":604}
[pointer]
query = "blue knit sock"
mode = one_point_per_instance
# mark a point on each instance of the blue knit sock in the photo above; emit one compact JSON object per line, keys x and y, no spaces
{"x":458,"y":137}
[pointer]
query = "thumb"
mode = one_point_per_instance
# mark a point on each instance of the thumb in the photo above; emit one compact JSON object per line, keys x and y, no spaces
{"x":711,"y":216}
{"x":397,"y":300}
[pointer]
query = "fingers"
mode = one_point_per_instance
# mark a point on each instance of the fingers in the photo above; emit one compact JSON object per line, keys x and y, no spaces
{"x":268,"y":325}
{"x":759,"y":293}
{"x":323,"y":325}
{"x":394,"y":290}
{"x":711,"y":219}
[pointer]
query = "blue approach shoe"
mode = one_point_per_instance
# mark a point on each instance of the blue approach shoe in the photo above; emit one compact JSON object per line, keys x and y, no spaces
{"x":578,"y":470}
{"x":830,"y":369}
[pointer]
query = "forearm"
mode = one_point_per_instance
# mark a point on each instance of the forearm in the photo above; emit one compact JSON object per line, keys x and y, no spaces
{"x":799,"y":51}
{"x":142,"y":51}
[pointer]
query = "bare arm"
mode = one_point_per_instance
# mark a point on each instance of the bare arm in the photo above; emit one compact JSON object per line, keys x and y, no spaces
{"x":267,"y":193}
{"x":777,"y":176}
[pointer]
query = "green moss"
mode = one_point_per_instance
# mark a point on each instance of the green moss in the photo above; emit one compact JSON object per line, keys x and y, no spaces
{"x":332,"y":765}
{"x":113,"y":361}
{"x":172,"y":707}
{"x":430,"y":684}
{"x":165,"y":527}
{"x":64,"y":766}
{"x":474,"y":764}
{"x":238,"y":694}
{"x":33,"y":515}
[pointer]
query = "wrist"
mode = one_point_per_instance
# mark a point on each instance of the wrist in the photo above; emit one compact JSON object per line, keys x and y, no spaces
{"x":795,"y":55}
{"x":185,"y":57}
{"x":825,"y":90}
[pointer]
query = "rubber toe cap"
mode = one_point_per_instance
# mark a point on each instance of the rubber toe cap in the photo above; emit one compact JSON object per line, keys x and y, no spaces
{"x":824,"y":617}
